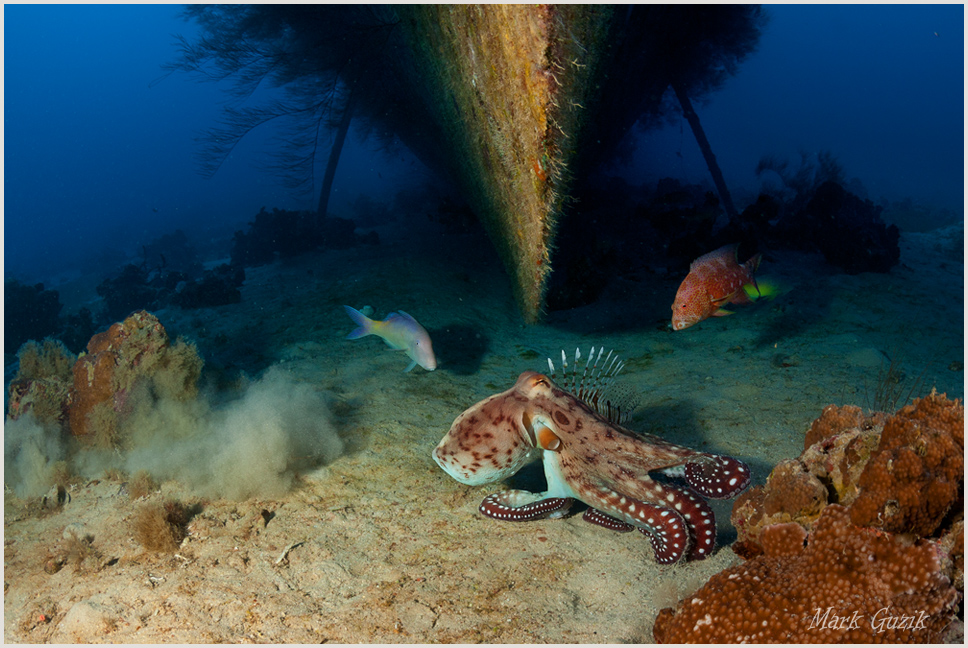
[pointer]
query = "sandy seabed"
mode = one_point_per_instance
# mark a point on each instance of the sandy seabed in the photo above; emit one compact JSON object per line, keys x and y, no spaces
{"x":380,"y":545}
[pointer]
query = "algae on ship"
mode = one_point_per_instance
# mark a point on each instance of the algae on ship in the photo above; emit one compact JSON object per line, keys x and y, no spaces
{"x":508,"y":87}
{"x":514,"y":104}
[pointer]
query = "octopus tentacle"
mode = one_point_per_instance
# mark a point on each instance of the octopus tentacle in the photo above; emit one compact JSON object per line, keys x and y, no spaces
{"x":698,"y":517}
{"x":594,"y":516}
{"x":521,"y":506}
{"x":630,"y":480}
{"x":661,"y":517}
{"x":718,"y":477}
{"x":637,"y":507}
{"x":700,"y":520}
{"x":667,"y":531}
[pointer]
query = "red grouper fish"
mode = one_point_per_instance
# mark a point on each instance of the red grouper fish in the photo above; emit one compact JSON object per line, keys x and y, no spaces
{"x":714,"y":280}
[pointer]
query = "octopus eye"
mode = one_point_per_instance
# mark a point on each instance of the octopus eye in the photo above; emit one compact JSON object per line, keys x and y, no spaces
{"x":539,"y":380}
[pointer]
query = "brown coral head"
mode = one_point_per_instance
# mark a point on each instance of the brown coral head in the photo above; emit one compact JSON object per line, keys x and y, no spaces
{"x":808,"y":592}
{"x":791,"y":494}
{"x":93,"y":384}
{"x":104,"y":340}
{"x":915,"y":478}
{"x":783,"y":539}
{"x":836,"y":420}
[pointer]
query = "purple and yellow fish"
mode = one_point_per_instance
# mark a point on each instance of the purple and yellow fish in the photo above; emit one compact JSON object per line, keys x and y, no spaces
{"x":401,"y":332}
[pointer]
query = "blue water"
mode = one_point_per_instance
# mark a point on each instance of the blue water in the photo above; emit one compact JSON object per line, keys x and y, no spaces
{"x":101,"y":154}
{"x":106,"y":213}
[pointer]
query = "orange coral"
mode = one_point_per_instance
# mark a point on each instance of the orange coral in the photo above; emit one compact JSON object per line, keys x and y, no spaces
{"x":846,"y":584}
{"x":833,"y":420}
{"x":898,"y":474}
{"x":915,"y":478}
{"x":128,"y":351}
{"x":953,"y":545}
{"x":93,"y":378}
{"x":902,"y":473}
{"x":791,"y":494}
{"x":797,"y":490}
{"x":838,"y":461}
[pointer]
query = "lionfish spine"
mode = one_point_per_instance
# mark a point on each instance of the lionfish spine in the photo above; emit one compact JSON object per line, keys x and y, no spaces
{"x":583,"y":387}
{"x":596,"y":377}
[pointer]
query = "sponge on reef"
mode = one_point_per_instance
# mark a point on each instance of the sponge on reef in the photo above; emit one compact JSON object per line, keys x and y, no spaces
{"x":132,"y":354}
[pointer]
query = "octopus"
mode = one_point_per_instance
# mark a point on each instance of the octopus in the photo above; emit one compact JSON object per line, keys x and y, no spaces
{"x":628,"y":480}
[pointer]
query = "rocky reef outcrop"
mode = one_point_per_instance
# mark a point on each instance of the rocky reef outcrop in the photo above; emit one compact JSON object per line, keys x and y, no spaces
{"x":861,"y":538}
{"x":901,"y":473}
{"x":90,"y":395}
{"x":43,"y":382}
{"x":837,"y":583}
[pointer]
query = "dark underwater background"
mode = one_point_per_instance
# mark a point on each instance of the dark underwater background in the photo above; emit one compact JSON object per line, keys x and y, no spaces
{"x":856,"y":111}
{"x":101,"y":151}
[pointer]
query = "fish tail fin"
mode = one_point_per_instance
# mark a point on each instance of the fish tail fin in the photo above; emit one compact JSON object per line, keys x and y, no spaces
{"x":753,"y":264}
{"x":364,"y":324}
{"x":752,"y":290}
{"x":763,"y":289}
